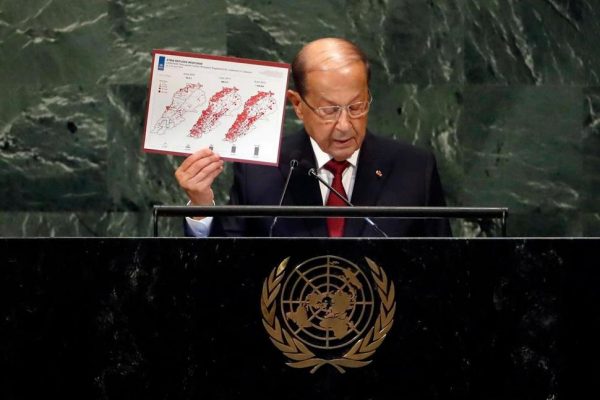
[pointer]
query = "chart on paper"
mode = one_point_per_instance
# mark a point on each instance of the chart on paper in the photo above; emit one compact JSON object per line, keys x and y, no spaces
{"x":233,"y":106}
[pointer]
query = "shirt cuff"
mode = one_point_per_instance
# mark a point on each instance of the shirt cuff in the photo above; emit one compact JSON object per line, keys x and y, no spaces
{"x":199,"y":227}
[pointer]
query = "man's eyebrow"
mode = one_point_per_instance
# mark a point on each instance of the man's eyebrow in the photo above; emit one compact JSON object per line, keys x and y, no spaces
{"x":355,"y":99}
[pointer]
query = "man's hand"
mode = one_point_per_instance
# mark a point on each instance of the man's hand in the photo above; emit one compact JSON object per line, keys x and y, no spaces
{"x":196,"y":175}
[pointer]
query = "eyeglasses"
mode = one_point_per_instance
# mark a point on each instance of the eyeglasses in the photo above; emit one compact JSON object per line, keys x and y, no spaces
{"x":332,"y":113}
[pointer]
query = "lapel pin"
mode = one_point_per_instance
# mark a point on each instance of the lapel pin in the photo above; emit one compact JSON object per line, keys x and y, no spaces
{"x":379,"y":173}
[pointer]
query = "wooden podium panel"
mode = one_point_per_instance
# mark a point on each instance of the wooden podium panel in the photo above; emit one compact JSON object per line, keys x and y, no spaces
{"x":187,"y":318}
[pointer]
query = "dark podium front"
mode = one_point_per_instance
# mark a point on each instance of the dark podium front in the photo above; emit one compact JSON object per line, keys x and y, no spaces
{"x":189,"y":318}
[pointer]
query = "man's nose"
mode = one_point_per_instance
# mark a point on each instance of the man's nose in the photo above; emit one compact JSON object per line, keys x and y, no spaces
{"x":343,"y":121}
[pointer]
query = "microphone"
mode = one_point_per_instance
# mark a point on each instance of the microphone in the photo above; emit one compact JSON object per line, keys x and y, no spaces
{"x":314,"y":174}
{"x":293,"y":165}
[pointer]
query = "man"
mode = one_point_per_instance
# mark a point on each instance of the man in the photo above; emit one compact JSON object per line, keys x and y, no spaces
{"x":332,"y":99}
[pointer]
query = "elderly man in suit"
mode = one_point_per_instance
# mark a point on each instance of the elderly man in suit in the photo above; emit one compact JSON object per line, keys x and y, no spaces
{"x":332,"y":99}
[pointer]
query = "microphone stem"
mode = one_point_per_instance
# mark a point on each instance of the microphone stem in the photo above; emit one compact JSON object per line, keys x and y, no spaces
{"x":293,"y":165}
{"x":287,"y":182}
{"x":324,"y":182}
{"x":345,"y":200}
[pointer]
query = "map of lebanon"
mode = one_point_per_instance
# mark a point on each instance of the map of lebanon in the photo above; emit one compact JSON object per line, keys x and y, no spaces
{"x":185,"y":100}
{"x":255,"y":108}
{"x":220,"y":104}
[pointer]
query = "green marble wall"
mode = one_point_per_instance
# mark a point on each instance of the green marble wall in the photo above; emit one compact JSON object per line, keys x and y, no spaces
{"x":506,"y":92}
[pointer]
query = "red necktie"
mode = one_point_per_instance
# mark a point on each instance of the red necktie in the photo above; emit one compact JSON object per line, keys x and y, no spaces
{"x":335,"y":225}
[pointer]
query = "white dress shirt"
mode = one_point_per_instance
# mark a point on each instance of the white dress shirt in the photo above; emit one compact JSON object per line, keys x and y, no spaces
{"x":348,"y":176}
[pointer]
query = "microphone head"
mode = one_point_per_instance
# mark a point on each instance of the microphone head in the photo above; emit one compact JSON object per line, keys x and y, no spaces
{"x":294,"y":156}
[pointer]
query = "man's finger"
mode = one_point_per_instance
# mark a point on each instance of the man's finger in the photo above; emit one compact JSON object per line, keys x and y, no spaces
{"x":190,"y":160}
{"x":201,"y":163}
{"x":214,"y":168}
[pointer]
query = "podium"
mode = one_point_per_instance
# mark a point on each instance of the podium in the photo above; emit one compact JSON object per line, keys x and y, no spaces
{"x":184,"y":318}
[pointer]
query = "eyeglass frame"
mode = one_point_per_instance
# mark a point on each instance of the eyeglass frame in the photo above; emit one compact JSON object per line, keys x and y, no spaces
{"x":339,"y":108}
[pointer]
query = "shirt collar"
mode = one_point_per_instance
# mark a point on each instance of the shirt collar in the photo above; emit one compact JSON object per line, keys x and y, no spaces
{"x":322,"y":157}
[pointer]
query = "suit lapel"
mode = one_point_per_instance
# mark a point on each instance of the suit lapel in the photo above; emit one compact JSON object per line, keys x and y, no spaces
{"x":370,"y":180}
{"x":303,"y":190}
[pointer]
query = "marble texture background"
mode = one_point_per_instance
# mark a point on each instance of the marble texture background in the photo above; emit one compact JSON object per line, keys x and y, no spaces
{"x":505,"y":92}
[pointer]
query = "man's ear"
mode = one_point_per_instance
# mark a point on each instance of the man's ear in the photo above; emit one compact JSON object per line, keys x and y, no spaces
{"x":296,"y":100}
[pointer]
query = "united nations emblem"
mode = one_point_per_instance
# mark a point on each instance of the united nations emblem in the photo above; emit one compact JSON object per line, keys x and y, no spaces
{"x":328,"y":310}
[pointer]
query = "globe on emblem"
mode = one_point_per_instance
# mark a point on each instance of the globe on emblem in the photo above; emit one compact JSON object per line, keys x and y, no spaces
{"x":327,"y":302}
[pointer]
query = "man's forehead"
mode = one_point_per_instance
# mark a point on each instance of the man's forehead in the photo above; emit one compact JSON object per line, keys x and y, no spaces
{"x":355,"y":71}
{"x":328,"y":87}
{"x":328,"y":57}
{"x":331,"y":64}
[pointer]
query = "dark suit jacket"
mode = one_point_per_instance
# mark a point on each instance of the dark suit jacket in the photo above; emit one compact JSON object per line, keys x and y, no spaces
{"x":409,"y":177}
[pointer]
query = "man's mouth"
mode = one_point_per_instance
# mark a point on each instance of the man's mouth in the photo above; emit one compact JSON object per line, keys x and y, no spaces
{"x":342,"y":141}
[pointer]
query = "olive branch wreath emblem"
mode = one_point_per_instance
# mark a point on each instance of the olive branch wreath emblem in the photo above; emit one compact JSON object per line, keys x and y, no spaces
{"x":298,"y":353}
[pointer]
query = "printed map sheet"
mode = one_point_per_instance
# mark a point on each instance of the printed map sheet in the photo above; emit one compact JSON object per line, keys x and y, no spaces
{"x":234,"y":106}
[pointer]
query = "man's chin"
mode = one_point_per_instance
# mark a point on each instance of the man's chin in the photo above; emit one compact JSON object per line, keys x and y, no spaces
{"x":341,"y":155}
